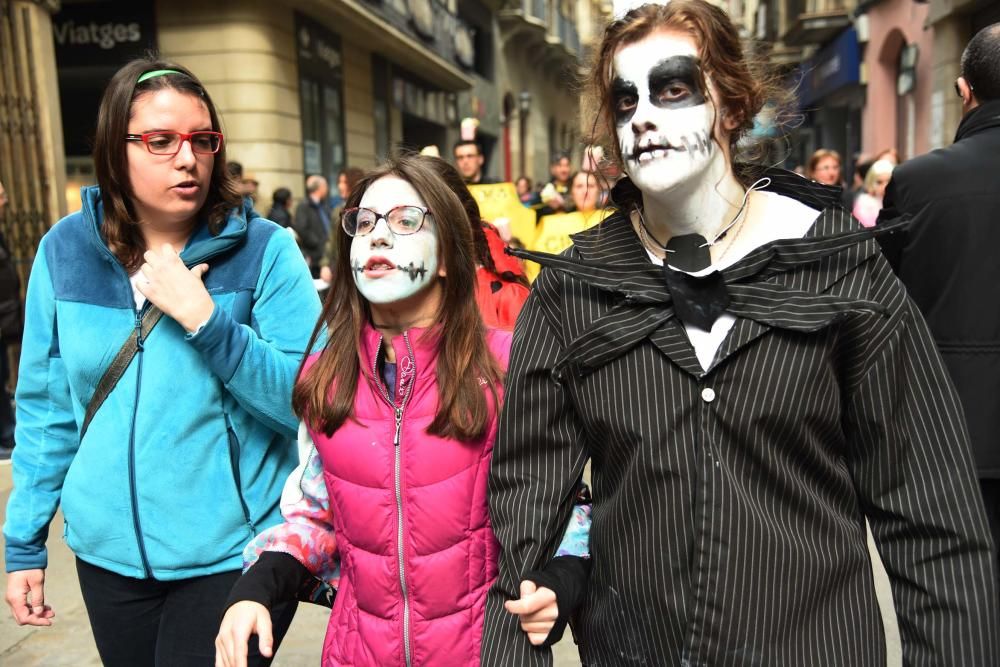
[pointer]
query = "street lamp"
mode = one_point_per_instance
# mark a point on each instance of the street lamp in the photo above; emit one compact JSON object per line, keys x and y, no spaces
{"x":524,"y":106}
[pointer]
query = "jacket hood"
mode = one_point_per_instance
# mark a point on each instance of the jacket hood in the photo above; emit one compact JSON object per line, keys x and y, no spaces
{"x":200,"y":247}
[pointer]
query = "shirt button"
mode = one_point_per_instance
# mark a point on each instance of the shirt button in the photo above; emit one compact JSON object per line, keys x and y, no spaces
{"x":708,"y":394}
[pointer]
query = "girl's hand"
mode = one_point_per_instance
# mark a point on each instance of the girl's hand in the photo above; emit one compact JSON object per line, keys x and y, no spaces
{"x":173,"y":288}
{"x":242,"y":620}
{"x":538,"y":610}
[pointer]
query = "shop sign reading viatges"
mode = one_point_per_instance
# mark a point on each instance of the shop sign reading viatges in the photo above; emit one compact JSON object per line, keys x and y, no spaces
{"x":109,"y":32}
{"x":103,"y":35}
{"x":313,"y":47}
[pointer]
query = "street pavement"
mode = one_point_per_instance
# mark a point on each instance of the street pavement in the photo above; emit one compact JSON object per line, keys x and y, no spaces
{"x":68,"y":642}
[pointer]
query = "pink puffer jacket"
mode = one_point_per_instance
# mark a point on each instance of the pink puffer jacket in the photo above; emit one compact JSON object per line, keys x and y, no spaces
{"x":411,"y":518}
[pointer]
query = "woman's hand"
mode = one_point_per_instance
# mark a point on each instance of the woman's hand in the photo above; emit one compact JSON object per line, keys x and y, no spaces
{"x":175,"y":289}
{"x":538,"y":610}
{"x":26,"y":598}
{"x":242,"y":620}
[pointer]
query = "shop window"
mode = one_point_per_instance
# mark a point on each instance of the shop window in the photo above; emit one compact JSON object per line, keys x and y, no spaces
{"x":476,"y":21}
{"x":92,"y":41}
{"x":321,"y":95}
{"x":426,"y":111}
{"x":381,"y":95}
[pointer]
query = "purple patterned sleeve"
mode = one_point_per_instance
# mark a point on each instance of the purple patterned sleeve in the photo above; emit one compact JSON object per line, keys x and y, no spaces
{"x":307,"y":532}
{"x":576,"y":539}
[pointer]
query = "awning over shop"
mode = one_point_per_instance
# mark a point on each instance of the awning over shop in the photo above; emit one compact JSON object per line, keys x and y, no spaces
{"x":836,"y":65}
{"x":357,"y":23}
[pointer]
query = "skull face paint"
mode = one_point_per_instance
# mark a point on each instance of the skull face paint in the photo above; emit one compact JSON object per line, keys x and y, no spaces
{"x":664,"y":116}
{"x":388,"y":267}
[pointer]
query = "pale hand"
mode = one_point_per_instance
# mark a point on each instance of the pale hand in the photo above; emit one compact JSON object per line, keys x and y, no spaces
{"x":26,"y":598}
{"x":326,"y":275}
{"x":175,"y":289}
{"x":538,"y":610}
{"x":242,"y":620}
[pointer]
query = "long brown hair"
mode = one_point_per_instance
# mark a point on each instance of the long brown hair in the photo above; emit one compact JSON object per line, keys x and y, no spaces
{"x":325,"y":394}
{"x":119,"y":227}
{"x":741,"y":86}
{"x":454,"y":180}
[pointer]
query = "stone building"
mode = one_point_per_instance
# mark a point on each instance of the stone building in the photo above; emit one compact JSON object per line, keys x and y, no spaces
{"x":303,"y":86}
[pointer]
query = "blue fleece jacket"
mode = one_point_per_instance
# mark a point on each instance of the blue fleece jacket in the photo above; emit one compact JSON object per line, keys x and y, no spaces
{"x":186,"y":458}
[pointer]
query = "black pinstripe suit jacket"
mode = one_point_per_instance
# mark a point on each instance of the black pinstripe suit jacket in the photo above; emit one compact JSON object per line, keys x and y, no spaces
{"x":729,"y":504}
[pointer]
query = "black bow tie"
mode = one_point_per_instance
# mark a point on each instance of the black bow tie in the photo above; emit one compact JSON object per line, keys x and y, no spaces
{"x":649,"y":296}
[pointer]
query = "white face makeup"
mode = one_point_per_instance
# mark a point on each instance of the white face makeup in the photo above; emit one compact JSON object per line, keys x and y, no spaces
{"x":388,"y":267}
{"x":663,"y":115}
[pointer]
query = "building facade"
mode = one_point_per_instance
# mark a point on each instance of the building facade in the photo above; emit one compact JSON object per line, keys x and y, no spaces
{"x":953,"y":22}
{"x":897,"y":64}
{"x":302,"y":86}
{"x":32,"y":165}
{"x":869,"y":75}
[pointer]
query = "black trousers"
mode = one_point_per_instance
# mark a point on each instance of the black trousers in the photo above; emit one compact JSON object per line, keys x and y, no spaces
{"x":6,"y":413}
{"x":140,"y":622}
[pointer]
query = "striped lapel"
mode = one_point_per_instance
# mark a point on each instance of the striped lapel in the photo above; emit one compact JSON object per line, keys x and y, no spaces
{"x":783,"y":284}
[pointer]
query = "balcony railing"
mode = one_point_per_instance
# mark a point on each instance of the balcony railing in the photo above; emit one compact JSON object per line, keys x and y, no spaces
{"x":815,"y":21}
{"x":525,"y":16}
{"x":541,"y":20}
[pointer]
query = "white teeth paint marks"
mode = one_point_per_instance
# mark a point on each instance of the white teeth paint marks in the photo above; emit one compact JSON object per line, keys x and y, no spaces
{"x":698,"y":143}
{"x":412,"y":270}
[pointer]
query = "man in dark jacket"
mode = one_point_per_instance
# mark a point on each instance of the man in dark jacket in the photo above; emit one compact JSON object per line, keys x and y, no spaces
{"x":947,"y":258}
{"x":312,"y":222}
{"x":11,"y":323}
{"x":469,"y":160}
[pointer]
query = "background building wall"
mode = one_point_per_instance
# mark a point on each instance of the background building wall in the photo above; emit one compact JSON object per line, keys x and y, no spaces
{"x":32,"y":160}
{"x":890,"y":120}
{"x":244,"y":53}
{"x":954,"y":23}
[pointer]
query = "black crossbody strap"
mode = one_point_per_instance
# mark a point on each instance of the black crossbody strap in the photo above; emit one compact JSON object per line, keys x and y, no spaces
{"x":118,"y":365}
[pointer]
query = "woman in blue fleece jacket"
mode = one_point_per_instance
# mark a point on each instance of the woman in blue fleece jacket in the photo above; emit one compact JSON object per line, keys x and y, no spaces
{"x":184,"y":461}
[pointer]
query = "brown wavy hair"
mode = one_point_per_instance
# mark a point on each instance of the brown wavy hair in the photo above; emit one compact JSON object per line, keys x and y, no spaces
{"x":324,"y":395}
{"x":119,"y":227}
{"x":742,"y":85}
{"x":454,"y":180}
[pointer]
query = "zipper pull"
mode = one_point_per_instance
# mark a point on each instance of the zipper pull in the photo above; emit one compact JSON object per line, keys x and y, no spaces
{"x":399,"y":421}
{"x":138,"y":331}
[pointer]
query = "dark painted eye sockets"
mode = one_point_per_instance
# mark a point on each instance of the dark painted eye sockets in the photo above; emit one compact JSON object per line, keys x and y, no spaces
{"x":682,"y":72}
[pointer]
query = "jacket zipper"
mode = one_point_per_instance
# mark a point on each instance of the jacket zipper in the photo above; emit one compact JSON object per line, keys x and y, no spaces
{"x":136,"y":524}
{"x":397,"y":479}
{"x":234,"y":463}
{"x":147,"y":571}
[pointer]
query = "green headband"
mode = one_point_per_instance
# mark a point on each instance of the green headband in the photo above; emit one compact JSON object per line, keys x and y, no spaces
{"x":155,"y":73}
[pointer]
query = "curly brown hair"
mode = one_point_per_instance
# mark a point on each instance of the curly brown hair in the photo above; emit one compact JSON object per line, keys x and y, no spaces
{"x":741,"y":84}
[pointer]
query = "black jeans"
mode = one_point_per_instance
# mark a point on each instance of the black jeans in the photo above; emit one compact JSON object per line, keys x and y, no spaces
{"x":6,"y":413}
{"x":140,"y":622}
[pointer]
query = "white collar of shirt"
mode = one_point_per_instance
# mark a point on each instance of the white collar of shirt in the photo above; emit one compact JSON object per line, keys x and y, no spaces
{"x":788,"y":219}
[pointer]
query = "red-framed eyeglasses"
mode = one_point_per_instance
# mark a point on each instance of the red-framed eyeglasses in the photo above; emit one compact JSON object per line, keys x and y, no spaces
{"x":169,"y":143}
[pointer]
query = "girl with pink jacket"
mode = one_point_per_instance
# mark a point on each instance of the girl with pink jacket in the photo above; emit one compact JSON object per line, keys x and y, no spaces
{"x":388,"y":513}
